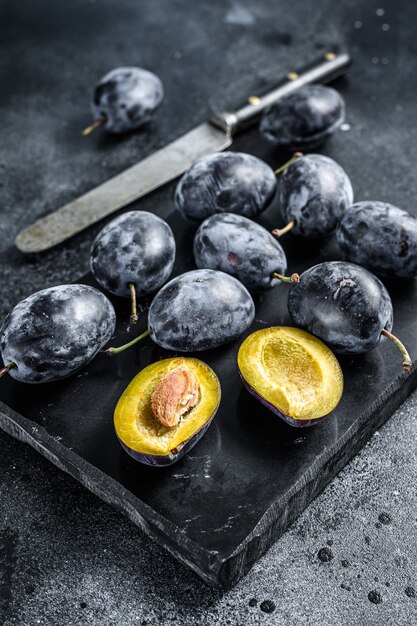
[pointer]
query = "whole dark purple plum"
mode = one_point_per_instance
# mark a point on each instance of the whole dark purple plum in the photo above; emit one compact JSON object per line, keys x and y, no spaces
{"x":314,"y":192}
{"x":56,"y":331}
{"x":136,"y":247}
{"x":344,"y":305}
{"x":236,"y":245}
{"x":200,"y":310}
{"x":196,"y":311}
{"x":134,"y":251}
{"x":231,"y":182}
{"x":381,"y":237}
{"x":304,"y":119}
{"x":124,"y":99}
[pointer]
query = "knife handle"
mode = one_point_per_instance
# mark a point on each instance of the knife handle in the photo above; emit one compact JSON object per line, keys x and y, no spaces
{"x":328,"y":67}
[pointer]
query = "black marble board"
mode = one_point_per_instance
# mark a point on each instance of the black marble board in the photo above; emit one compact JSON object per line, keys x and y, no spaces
{"x":218,"y":509}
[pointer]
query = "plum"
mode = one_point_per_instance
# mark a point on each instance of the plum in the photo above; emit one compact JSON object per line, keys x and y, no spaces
{"x":198,"y":310}
{"x":294,"y":374}
{"x":314,"y":193}
{"x":231,"y":182}
{"x":381,"y":237}
{"x":133,"y":254}
{"x":304,"y":119}
{"x":162,"y":390}
{"x":125,"y":99}
{"x":54,"y":332}
{"x":236,"y":245}
{"x":344,"y":305}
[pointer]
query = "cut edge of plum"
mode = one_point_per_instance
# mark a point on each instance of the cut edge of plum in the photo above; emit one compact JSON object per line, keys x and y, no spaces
{"x":143,"y":386}
{"x":256,"y":383}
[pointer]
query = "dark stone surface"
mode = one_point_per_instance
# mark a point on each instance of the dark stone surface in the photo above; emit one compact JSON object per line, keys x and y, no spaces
{"x":210,"y":54}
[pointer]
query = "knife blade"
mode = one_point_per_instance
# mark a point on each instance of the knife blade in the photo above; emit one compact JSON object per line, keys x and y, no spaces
{"x":169,"y":162}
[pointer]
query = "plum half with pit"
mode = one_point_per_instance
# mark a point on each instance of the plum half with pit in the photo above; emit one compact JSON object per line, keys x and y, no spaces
{"x":166,"y":409}
{"x":54,"y":332}
{"x":294,"y":374}
{"x":314,"y":193}
{"x":232,"y":182}
{"x":240,"y":247}
{"x":381,"y":237}
{"x":198,"y":310}
{"x":344,"y":305}
{"x":133,"y":255}
{"x":304,"y":119}
{"x":125,"y":99}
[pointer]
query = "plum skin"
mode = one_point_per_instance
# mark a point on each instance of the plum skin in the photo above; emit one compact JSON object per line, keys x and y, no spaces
{"x":343,"y":304}
{"x":236,"y":245}
{"x":56,"y":331}
{"x":381,"y":237}
{"x":126,"y":98}
{"x":175,"y":455}
{"x":304,"y":119}
{"x":315,"y":191}
{"x":232,"y":182}
{"x":136,"y":247}
{"x":200,"y":310}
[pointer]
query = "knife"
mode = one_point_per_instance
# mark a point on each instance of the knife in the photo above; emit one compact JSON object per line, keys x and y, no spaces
{"x":169,"y":162}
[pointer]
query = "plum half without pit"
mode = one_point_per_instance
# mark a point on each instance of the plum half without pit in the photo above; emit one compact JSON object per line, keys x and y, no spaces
{"x":291,"y":372}
{"x":166,"y":409}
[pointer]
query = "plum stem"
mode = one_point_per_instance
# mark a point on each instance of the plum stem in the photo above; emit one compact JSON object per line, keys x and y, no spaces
{"x":133,"y":314}
{"x":407,"y":362}
{"x":93,"y":126}
{"x":294,"y":278}
{"x":113,"y":351}
{"x":6,"y":369}
{"x":278,"y":232}
{"x":284,"y":166}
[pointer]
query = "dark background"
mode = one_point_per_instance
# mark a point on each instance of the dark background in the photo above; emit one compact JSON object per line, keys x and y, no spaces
{"x":61,"y":548}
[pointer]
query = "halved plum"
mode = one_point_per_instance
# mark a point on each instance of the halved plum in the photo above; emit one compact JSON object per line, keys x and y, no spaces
{"x":166,"y":409}
{"x":292,"y":373}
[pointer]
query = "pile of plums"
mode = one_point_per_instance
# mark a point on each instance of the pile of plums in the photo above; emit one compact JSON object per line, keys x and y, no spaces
{"x":55,"y":332}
